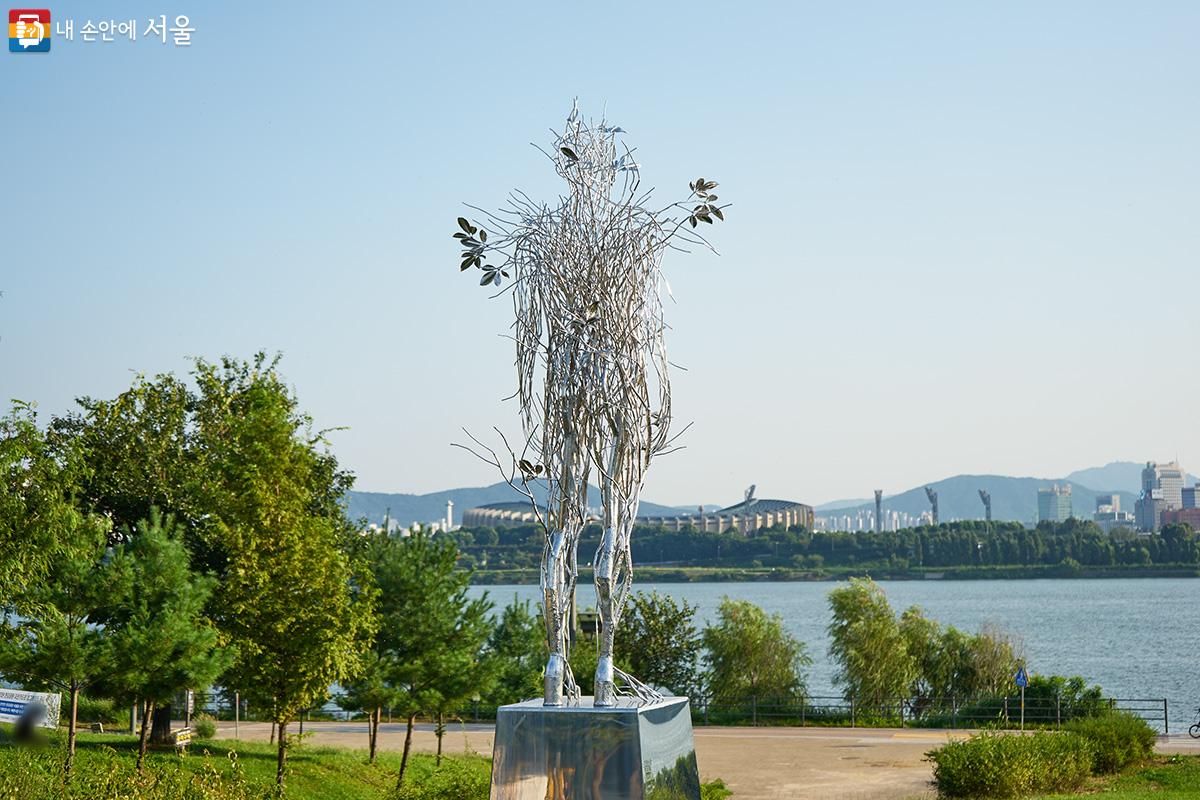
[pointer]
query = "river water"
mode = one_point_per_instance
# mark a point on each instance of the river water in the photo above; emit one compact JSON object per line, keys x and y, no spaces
{"x":1136,"y":637}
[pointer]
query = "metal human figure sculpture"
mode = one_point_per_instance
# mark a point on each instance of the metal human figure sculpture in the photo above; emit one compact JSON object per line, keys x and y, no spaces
{"x":592,"y":370}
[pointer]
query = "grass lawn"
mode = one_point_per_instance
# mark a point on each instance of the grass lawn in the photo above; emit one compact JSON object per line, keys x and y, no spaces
{"x":314,"y":772}
{"x":1168,"y":777}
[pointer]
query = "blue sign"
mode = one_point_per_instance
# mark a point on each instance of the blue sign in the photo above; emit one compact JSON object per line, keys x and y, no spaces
{"x":1022,"y":677}
{"x":12,"y":708}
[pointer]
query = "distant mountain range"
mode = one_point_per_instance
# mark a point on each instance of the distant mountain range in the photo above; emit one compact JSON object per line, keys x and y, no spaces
{"x":958,"y":497}
{"x":1012,"y":498}
{"x":409,"y":508}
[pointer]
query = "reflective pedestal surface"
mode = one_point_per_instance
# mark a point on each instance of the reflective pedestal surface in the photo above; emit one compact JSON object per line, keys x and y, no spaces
{"x":580,"y":752}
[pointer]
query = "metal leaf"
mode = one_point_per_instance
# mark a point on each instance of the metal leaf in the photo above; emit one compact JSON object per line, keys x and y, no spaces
{"x":483,"y":236}
{"x":717,"y":213}
{"x":487,"y":278}
{"x":569,"y":153}
{"x":466,"y":226}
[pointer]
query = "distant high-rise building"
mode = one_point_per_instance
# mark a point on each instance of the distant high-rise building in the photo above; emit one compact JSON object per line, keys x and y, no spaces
{"x":1169,"y":477}
{"x":1108,"y":503}
{"x":1189,"y":496}
{"x":1149,"y":509}
{"x":1054,"y":504}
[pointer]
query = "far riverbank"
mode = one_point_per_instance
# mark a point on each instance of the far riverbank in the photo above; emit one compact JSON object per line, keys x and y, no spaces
{"x":674,"y":574}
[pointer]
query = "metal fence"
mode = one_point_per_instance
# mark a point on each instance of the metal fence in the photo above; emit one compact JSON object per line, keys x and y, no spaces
{"x":942,"y":712}
{"x":839,"y":711}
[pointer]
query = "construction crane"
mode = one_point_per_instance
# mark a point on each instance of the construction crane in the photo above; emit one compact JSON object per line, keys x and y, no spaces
{"x":932,"y":495}
{"x":987,"y":504}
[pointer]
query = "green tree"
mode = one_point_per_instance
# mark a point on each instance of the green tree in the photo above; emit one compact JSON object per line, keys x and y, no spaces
{"x":140,"y":453}
{"x":161,"y":639}
{"x":517,"y":647}
{"x":659,"y":642}
{"x":289,"y":597}
{"x":874,"y":664}
{"x":431,"y":631}
{"x":751,"y":654}
{"x":38,"y":518}
{"x":59,"y":644}
{"x":370,"y":691}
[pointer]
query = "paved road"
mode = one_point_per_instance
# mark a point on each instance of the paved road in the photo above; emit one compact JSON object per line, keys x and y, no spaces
{"x":757,"y":763}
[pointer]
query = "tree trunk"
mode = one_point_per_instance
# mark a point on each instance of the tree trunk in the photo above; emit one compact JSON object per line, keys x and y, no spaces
{"x":407,"y":746}
{"x":272,"y":731}
{"x":282,"y":758}
{"x":145,"y":737}
{"x":160,"y":727}
{"x":441,"y":731}
{"x":374,"y":731}
{"x":71,"y":730}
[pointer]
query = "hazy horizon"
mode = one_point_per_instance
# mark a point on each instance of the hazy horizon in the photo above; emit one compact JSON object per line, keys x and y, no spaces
{"x":962,"y":239}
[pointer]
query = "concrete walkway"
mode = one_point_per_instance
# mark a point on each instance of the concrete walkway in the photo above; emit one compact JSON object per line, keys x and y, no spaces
{"x":756,"y":763}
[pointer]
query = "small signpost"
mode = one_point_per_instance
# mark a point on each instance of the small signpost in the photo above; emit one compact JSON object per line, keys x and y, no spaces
{"x":1022,"y":679}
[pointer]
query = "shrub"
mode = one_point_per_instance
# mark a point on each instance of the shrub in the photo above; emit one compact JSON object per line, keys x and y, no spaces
{"x":103,"y":774}
{"x":453,"y":780}
{"x":98,"y":709}
{"x":714,"y":790}
{"x":1118,"y":739}
{"x":204,"y":726}
{"x":1010,"y":765}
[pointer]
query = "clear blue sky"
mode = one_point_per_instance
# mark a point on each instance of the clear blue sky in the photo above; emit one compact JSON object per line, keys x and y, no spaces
{"x":964,"y":236}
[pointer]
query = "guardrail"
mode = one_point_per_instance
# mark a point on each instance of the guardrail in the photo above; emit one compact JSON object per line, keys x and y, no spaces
{"x":939,"y":712}
{"x":839,"y":711}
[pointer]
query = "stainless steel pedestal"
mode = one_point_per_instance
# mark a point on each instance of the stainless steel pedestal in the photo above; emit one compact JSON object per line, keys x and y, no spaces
{"x":580,"y":752}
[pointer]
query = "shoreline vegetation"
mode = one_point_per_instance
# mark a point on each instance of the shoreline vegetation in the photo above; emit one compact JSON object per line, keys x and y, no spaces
{"x":652,"y":574}
{"x":959,"y":550}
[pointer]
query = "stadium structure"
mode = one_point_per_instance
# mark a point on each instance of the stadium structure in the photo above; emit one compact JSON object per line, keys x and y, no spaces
{"x":745,"y":517}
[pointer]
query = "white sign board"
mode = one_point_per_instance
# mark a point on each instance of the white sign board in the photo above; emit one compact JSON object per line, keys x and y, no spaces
{"x":14,"y":701}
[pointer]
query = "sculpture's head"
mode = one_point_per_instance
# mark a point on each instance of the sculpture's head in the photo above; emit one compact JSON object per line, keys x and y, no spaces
{"x":589,"y":156}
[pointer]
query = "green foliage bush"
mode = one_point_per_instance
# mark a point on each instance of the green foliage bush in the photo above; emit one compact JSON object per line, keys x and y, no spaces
{"x":102,"y":774}
{"x":99,"y":709}
{"x":1009,"y":765}
{"x":714,"y":790}
{"x":1118,"y":739}
{"x":204,"y":726}
{"x":453,"y":780}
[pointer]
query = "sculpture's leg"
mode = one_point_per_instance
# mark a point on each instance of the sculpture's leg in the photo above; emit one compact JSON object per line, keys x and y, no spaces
{"x":555,"y":607}
{"x":605,"y":567}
